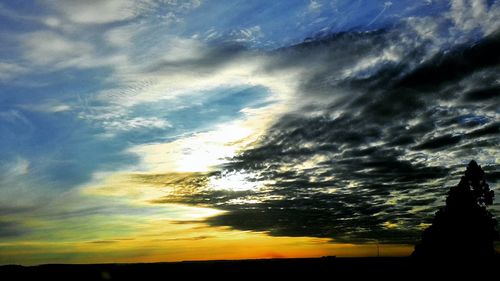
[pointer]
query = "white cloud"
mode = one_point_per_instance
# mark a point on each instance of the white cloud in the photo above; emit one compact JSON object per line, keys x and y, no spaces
{"x":369,"y":64}
{"x":245,"y":35}
{"x":468,"y":15}
{"x":10,"y":70}
{"x":141,"y":82}
{"x":53,"y":50}
{"x":135,"y":123}
{"x":52,"y":21}
{"x":314,"y":6}
{"x":122,"y":36}
{"x":116,"y":119}
{"x":91,"y":12}
{"x":50,"y":48}
{"x":179,"y":49}
{"x":95,"y":11}
{"x":48,"y":107}
{"x":199,"y":152}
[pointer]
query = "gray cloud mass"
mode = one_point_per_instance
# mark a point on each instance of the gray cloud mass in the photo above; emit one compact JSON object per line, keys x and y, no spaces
{"x":383,"y":127}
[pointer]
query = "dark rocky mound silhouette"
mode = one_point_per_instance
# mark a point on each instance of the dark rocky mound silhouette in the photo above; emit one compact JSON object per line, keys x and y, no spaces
{"x":464,"y":228}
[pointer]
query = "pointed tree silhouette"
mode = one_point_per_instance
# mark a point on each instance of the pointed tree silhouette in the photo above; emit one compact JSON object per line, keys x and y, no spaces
{"x":464,"y":228}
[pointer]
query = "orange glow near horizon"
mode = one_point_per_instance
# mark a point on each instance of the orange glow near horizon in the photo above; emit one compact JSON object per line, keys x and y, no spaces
{"x":197,"y":242}
{"x":147,"y":231}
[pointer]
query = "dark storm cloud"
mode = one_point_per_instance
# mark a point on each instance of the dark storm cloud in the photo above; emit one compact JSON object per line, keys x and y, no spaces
{"x":329,"y":61}
{"x":377,"y":134}
{"x":483,"y":94}
{"x":493,"y":129}
{"x":439,"y":142}
{"x":447,"y":67}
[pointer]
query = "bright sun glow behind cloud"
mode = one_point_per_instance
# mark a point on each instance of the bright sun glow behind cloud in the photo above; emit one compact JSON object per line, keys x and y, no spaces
{"x":202,"y":152}
{"x":206,"y":150}
{"x":234,"y":181}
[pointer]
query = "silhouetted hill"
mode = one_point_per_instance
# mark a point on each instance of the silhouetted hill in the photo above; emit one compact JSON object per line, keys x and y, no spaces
{"x":312,"y":269}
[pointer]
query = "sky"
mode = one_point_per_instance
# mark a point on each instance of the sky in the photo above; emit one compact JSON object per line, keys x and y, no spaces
{"x":168,"y":130}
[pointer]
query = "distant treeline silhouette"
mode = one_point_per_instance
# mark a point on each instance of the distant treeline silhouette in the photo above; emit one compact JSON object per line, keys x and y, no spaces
{"x":463,"y":228}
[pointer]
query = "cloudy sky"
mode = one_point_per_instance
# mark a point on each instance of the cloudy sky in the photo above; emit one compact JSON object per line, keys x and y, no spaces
{"x":165,"y":130}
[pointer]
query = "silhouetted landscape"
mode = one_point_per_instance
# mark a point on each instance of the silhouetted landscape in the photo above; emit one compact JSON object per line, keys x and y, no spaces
{"x":314,"y":269}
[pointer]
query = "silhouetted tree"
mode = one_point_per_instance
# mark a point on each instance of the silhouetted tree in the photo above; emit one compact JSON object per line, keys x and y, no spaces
{"x":464,"y":227}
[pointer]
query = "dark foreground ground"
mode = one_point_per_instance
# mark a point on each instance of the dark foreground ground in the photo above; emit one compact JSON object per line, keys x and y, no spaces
{"x":327,"y":268}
